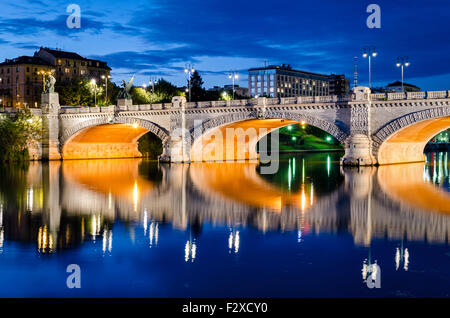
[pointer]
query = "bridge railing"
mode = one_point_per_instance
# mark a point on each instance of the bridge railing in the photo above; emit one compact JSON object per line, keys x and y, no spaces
{"x":300,"y":100}
{"x":411,"y":95}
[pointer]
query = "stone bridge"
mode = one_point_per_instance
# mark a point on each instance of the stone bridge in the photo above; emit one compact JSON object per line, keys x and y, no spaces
{"x":373,"y":128}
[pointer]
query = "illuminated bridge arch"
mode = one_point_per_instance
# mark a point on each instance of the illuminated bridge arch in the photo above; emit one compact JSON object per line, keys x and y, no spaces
{"x":102,"y":137}
{"x":271,"y":120}
{"x":404,"y":139}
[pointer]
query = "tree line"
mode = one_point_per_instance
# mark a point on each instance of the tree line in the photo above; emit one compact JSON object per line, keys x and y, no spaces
{"x":82,"y":92}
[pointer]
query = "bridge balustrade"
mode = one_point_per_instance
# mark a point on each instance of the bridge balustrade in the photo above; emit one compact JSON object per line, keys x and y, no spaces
{"x":437,"y":94}
{"x":145,"y":107}
{"x":378,"y":96}
{"x":415,"y":95}
{"x":245,"y":102}
{"x":396,"y":96}
{"x":307,"y":99}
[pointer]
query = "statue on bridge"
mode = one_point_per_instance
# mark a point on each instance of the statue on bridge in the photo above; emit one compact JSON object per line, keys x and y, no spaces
{"x":126,"y":88}
{"x":49,"y":84}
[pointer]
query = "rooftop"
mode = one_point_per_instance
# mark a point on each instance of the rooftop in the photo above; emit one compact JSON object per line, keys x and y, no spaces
{"x":398,"y":83}
{"x":64,"y":54}
{"x":285,"y":67}
{"x":25,"y":60}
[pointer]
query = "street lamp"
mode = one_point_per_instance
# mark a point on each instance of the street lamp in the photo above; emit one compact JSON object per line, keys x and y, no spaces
{"x":152,"y":82}
{"x":94,"y":82}
{"x":106,"y":77}
{"x":189,"y":69}
{"x":369,"y":51}
{"x":402,"y":61}
{"x":1,"y":99}
{"x":44,"y":73}
{"x":233,"y":76}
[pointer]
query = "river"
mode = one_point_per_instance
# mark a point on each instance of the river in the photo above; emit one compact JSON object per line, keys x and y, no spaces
{"x":139,"y":229}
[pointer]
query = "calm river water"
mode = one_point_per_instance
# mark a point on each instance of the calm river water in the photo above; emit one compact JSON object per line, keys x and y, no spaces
{"x":139,"y":229}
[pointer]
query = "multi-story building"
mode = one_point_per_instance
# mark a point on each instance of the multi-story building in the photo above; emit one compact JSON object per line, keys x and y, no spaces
{"x":339,"y":85}
{"x":283,"y":81}
{"x":239,"y":91}
{"x":21,"y":85}
{"x":398,"y":87}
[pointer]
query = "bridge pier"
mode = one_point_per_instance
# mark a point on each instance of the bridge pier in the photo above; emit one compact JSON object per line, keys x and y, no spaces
{"x":50,"y":125}
{"x":358,"y":151}
{"x":358,"y":146}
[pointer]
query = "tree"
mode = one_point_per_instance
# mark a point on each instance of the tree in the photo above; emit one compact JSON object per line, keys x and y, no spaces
{"x":198,"y":93}
{"x":74,"y":93}
{"x":140,"y":96}
{"x":166,"y":90}
{"x":17,"y":133}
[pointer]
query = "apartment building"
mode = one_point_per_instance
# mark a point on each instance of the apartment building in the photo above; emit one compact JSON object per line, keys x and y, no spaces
{"x":283,"y":81}
{"x":20,"y":82}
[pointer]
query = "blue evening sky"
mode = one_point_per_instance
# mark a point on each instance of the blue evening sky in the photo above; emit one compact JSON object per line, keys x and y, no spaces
{"x":158,"y":37}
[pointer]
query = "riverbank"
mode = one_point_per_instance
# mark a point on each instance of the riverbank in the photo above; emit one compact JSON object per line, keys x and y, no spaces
{"x":310,"y":150}
{"x":442,"y":146}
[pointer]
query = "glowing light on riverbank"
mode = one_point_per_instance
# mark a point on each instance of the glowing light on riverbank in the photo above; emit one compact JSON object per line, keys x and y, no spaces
{"x":190,"y":251}
{"x":303,"y":198}
{"x":233,"y":241}
{"x":153,"y":234}
{"x":328,"y":165}
{"x":107,"y":240}
{"x":135,"y":196}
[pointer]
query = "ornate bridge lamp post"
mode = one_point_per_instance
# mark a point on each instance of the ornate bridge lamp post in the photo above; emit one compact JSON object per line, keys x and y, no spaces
{"x":233,"y":76}
{"x":152,"y":83}
{"x":106,"y":78}
{"x":44,"y":73}
{"x":1,"y":99}
{"x":402,"y":61}
{"x":94,"y":84}
{"x":369,"y":52}
{"x":189,"y":69}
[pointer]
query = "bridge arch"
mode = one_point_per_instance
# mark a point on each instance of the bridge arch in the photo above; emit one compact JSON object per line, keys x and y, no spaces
{"x":104,"y":137}
{"x":270,"y":120}
{"x":404,"y":139}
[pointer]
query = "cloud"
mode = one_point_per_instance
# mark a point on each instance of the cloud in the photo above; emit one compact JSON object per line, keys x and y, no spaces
{"x":29,"y":26}
{"x":323,"y":36}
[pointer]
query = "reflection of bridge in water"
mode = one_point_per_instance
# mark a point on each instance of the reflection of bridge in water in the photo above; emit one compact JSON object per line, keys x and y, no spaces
{"x":392,"y":201}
